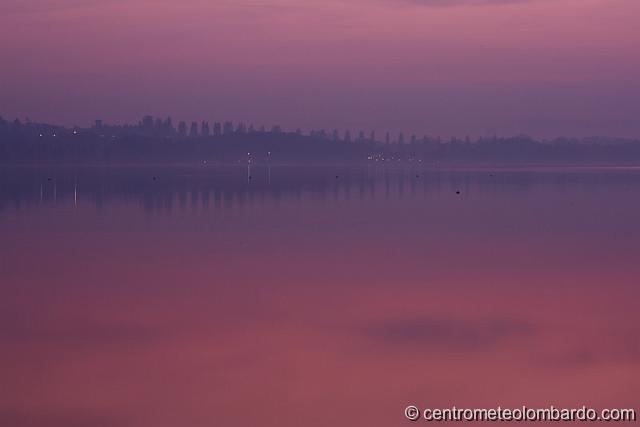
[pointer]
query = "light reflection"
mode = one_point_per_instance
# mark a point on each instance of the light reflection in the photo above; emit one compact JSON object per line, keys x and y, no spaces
{"x":334,"y":288}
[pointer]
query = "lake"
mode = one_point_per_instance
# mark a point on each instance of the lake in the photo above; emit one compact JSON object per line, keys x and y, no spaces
{"x":313,"y":295}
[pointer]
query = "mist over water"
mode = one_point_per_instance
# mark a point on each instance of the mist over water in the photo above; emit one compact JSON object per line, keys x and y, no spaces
{"x":284,"y":295}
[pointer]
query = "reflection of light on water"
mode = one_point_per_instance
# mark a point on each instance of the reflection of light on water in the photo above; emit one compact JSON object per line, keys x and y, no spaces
{"x":404,"y":305}
{"x":309,"y":181}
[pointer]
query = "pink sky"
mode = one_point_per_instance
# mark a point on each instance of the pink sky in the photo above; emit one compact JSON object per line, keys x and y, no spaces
{"x":441,"y":67}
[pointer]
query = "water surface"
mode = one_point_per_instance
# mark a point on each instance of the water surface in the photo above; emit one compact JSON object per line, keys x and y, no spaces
{"x":287,"y":296}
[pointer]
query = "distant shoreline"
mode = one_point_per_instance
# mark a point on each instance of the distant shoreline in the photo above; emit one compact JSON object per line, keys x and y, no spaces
{"x":158,"y":142}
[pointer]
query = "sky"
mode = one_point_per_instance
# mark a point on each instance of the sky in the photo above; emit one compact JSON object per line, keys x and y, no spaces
{"x":545,"y":68}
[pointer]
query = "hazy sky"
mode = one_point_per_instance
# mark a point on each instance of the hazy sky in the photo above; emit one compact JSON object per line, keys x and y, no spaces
{"x":441,"y":67}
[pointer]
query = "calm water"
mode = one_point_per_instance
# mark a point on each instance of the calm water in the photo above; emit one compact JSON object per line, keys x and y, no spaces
{"x":291,"y":296}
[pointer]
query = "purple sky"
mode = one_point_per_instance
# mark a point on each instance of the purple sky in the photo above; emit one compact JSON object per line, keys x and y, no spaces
{"x":440,"y":67}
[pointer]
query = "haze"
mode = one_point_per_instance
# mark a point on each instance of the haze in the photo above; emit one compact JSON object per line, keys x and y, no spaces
{"x":475,"y":67}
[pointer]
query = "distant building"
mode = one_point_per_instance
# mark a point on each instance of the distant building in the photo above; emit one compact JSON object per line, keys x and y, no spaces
{"x":147,"y":122}
{"x":227,"y":128}
{"x":167,"y":126}
{"x":205,"y":129}
{"x":182,"y":128}
{"x":194,"y":129}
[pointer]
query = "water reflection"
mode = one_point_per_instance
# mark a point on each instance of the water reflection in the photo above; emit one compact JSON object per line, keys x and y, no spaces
{"x":162,"y":189}
{"x":323,"y":296}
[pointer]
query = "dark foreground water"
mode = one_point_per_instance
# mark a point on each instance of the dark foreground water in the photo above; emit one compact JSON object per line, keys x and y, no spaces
{"x":333,"y":296}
